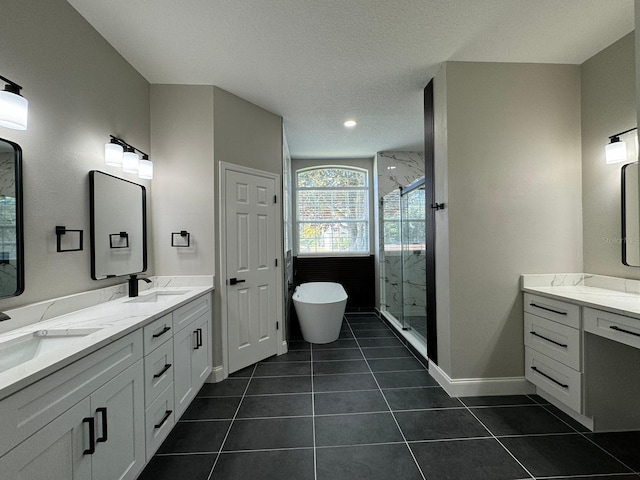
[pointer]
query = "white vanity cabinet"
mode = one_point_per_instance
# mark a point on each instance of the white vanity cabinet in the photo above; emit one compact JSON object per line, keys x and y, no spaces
{"x":582,"y":346}
{"x":192,"y":351}
{"x":101,"y":437}
{"x":103,"y":416}
{"x":552,"y":341}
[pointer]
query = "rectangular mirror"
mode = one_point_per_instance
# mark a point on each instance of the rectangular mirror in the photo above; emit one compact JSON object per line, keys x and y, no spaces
{"x":630,"y":219}
{"x":118,"y":226}
{"x":11,"y":231}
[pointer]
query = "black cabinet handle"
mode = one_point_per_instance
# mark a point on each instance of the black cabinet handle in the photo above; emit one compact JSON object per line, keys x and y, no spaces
{"x":164,"y":330}
{"x":547,"y":309}
{"x":199,"y":336}
{"x":549,"y":340}
{"x":92,"y":435}
{"x":103,"y":412}
{"x":235,"y":281}
{"x":195,"y":334}
{"x":614,"y":327}
{"x":163,"y":371}
{"x":550,"y":378}
{"x":164,"y":419}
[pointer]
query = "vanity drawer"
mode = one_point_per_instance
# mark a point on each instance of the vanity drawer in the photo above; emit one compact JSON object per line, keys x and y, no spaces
{"x":553,"y":339}
{"x":158,"y":371}
{"x":157,"y":332}
{"x":556,"y":310}
{"x":184,"y":315}
{"x":160,"y":419}
{"x":555,"y":378}
{"x":615,"y":327}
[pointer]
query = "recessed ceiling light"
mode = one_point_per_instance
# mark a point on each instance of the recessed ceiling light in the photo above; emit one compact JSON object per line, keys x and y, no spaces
{"x":350,"y":123}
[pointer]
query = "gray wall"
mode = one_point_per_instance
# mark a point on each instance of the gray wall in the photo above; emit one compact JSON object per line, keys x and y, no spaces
{"x":514,"y":202}
{"x":608,"y":107}
{"x":183,"y":185}
{"x":193,"y":128}
{"x":247,"y":135}
{"x":80,"y":90}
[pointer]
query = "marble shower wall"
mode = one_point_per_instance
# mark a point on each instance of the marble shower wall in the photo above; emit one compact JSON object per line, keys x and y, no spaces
{"x":394,"y":170}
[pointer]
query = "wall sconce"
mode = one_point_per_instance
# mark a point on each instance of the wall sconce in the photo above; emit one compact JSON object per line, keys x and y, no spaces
{"x":14,"y":108}
{"x":616,"y":150}
{"x":118,"y":153}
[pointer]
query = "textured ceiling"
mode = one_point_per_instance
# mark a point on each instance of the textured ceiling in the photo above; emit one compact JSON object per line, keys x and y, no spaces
{"x":319,"y":62}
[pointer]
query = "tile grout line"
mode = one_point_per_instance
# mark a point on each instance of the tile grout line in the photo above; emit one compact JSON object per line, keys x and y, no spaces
{"x":313,"y":417}
{"x":583,"y":435}
{"x":498,"y":440}
{"x":255,"y":366}
{"x":389,"y":407}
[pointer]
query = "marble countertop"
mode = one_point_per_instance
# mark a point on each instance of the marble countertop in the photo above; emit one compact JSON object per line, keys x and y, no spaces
{"x":114,"y":319}
{"x":615,"y":295}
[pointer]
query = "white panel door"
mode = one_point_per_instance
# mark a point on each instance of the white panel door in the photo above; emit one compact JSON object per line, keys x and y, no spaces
{"x":250,"y":221}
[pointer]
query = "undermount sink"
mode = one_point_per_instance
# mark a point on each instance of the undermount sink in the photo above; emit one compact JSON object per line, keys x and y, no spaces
{"x":26,"y":347}
{"x":158,"y":296}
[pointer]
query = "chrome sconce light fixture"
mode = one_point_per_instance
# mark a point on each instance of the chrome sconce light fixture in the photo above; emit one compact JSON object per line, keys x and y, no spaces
{"x":14,"y":108}
{"x":616,"y":150}
{"x":118,"y":153}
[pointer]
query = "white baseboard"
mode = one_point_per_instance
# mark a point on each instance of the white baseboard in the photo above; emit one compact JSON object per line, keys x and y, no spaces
{"x":217,"y":375}
{"x":471,"y":387}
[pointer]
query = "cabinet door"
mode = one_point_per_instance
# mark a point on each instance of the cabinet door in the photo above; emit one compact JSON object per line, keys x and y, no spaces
{"x":119,"y":406}
{"x":54,"y":452}
{"x":184,"y":343}
{"x":201,"y":357}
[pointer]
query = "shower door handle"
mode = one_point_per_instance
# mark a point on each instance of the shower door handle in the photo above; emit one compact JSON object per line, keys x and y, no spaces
{"x":234,"y":281}
{"x":437,"y":206}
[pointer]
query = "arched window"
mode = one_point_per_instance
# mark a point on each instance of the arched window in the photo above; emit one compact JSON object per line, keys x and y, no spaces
{"x":332,"y":210}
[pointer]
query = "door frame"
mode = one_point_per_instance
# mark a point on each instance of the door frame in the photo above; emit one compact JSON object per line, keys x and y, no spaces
{"x":223,"y":168}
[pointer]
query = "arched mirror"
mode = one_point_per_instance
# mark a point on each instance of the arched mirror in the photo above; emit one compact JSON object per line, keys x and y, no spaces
{"x":11,"y":230}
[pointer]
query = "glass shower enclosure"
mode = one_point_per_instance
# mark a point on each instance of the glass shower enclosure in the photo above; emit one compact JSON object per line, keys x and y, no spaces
{"x":403,"y":296}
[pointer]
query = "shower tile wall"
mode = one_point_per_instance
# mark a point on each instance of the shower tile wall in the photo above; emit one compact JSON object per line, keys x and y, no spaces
{"x":396,"y":169}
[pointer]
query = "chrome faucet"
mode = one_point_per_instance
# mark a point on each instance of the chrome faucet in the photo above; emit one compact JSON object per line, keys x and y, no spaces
{"x":133,"y":284}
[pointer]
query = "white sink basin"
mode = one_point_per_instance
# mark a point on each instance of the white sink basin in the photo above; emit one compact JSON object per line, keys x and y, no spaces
{"x":26,"y":347}
{"x":158,"y":296}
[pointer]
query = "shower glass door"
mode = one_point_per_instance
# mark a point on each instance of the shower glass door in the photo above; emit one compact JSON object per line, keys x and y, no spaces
{"x":391,"y":255}
{"x":413,"y":259}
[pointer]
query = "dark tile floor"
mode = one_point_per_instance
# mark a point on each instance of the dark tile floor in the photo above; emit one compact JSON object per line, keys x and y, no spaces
{"x":365,"y":408}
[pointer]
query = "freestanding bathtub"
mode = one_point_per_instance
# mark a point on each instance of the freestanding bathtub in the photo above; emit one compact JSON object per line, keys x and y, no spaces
{"x":320,"y":308}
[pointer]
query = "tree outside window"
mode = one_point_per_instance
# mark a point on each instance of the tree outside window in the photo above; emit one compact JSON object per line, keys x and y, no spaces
{"x":332,"y":210}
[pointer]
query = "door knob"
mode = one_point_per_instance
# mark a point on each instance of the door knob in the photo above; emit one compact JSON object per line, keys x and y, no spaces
{"x":234,"y":281}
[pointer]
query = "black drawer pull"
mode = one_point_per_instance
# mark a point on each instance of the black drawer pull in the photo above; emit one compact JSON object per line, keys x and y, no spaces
{"x":164,"y":419}
{"x":163,"y":371}
{"x":550,"y":378}
{"x":614,"y":327}
{"x":164,"y":330}
{"x":92,"y":435}
{"x":547,"y":309}
{"x":199,"y":332}
{"x":549,"y":340}
{"x":195,"y":335}
{"x":103,"y":412}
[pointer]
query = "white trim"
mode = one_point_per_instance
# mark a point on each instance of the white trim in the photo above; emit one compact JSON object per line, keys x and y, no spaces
{"x":217,"y":375}
{"x":223,"y":168}
{"x":470,"y":387}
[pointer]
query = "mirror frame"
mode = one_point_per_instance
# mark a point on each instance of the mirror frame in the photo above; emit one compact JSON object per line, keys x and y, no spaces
{"x":93,"y":225}
{"x":19,"y":227}
{"x":624,"y":208}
